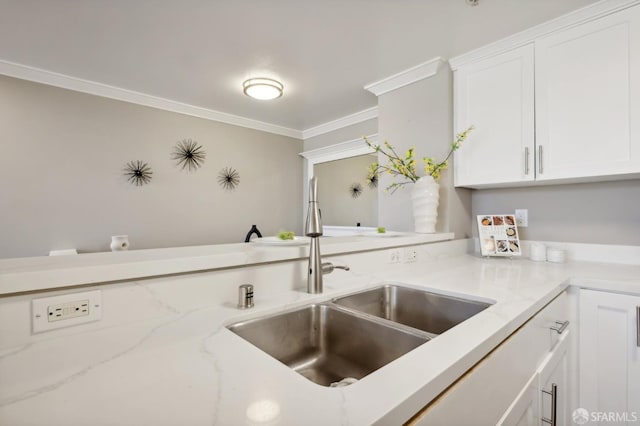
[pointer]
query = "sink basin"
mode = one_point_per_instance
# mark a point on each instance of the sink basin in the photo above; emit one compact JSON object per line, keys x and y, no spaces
{"x":327,"y":344}
{"x":426,"y":311}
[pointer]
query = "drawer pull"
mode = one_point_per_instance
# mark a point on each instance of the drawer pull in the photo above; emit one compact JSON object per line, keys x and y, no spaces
{"x":562,"y":326}
{"x":540,"y":169}
{"x":554,"y":404}
{"x":638,"y":326}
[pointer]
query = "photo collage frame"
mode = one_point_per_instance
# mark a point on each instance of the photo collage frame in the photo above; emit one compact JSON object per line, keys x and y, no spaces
{"x":498,"y":235}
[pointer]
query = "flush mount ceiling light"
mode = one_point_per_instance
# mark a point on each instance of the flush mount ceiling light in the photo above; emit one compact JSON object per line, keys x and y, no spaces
{"x":262,"y":88}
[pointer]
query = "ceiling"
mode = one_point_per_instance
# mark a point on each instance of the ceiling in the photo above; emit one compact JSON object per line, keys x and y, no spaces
{"x":199,"y":51}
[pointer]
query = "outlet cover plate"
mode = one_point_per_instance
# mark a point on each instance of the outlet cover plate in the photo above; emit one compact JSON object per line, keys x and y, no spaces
{"x":393,"y":255}
{"x":409,"y":255}
{"x":50,"y":313}
{"x":522,"y":217}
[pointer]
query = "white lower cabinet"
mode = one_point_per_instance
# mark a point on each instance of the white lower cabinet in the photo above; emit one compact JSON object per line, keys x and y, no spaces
{"x":529,"y":359}
{"x":609,"y":352}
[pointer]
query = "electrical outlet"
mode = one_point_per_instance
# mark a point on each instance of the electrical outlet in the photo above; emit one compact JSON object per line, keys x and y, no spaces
{"x":522,"y":217}
{"x":54,"y":312}
{"x":394,"y":255}
{"x":63,"y":311}
{"x":409,"y":255}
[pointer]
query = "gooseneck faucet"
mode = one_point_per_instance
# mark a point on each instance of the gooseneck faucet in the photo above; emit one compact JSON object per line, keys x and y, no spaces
{"x":313,"y":229}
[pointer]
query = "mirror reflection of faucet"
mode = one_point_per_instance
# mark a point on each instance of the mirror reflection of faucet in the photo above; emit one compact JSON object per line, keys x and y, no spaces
{"x":253,"y":230}
{"x":313,"y":229}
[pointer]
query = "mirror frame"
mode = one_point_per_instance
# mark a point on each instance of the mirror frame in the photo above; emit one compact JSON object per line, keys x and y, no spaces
{"x":339,"y":151}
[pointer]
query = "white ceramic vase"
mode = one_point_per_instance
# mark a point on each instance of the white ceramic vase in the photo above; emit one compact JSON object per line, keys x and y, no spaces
{"x":119,"y":242}
{"x":425,"y":195}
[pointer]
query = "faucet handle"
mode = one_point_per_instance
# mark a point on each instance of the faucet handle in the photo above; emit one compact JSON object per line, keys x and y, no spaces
{"x":328,"y":267}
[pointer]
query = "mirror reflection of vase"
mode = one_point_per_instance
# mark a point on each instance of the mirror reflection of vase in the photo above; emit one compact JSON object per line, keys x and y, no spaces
{"x":119,"y":242}
{"x":425,"y":194}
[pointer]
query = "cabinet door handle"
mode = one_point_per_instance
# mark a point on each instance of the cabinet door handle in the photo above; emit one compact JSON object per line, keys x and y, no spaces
{"x":554,"y":404}
{"x":638,"y":326}
{"x":540,"y":169}
{"x":561,"y":326}
{"x":526,"y":160}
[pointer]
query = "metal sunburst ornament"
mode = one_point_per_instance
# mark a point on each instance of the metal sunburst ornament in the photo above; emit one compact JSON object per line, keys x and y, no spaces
{"x":229,"y":178}
{"x":372,"y":181}
{"x":138,"y":172}
{"x":355,"y":190}
{"x":189,"y":154}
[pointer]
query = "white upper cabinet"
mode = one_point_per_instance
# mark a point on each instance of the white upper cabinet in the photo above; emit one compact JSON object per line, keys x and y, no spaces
{"x":588,"y":99}
{"x":496,"y":96}
{"x":564,"y":107}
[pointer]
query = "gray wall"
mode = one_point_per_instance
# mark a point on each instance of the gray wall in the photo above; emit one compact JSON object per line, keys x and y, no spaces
{"x":339,"y":208}
{"x":597,"y":213}
{"x":421,"y":115}
{"x":62,"y":183}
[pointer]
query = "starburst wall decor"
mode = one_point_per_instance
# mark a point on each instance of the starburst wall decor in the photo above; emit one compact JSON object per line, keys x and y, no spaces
{"x":372,"y":181}
{"x":189,"y":154}
{"x":138,"y":172}
{"x":355,"y":190}
{"x":229,"y":178}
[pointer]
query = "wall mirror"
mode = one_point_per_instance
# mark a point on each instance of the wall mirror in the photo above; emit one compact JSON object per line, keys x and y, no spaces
{"x":349,"y":204}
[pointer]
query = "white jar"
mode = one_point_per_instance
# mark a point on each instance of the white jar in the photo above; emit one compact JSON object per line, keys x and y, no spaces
{"x":538,"y":252}
{"x":119,"y":242}
{"x":555,"y":255}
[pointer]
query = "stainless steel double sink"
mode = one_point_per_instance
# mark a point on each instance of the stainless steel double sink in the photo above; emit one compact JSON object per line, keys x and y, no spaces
{"x":351,"y":336}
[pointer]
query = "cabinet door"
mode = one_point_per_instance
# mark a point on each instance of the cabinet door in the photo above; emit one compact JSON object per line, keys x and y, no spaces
{"x":609,"y":353}
{"x":588,"y":99}
{"x":496,"y":96}
{"x":555,"y":371}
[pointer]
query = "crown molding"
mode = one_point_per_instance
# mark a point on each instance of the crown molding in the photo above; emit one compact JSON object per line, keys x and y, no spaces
{"x":347,"y":120}
{"x":587,"y":13}
{"x":406,"y":77}
{"x":50,"y":78}
{"x":341,"y":150}
{"x":63,"y":81}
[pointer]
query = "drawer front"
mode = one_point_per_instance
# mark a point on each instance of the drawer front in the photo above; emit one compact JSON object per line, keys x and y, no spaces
{"x":554,"y":319}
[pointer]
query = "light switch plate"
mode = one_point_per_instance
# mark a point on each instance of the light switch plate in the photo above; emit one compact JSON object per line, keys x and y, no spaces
{"x":66,"y":310}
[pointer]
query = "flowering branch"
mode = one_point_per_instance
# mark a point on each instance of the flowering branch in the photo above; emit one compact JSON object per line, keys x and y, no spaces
{"x":406,"y":166}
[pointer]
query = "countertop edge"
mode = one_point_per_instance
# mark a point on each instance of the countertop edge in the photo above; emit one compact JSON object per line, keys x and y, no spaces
{"x":440,"y":383}
{"x":23,"y":275}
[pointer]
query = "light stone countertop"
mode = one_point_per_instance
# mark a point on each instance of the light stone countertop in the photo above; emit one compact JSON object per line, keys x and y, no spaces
{"x":191,"y":370}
